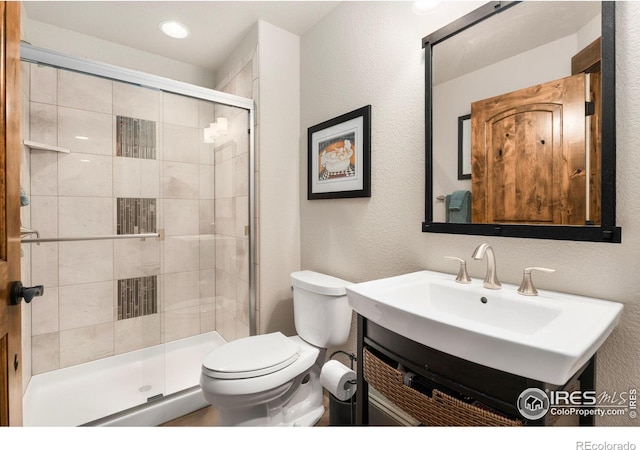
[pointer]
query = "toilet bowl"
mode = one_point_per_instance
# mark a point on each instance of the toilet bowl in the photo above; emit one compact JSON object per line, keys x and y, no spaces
{"x":274,"y":380}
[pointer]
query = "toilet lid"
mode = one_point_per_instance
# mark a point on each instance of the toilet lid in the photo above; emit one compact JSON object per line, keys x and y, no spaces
{"x":250,"y":357}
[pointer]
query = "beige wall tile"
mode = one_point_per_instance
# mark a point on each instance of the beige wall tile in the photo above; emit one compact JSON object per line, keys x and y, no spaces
{"x":181,"y":290}
{"x":225,"y":216}
{"x":136,"y":333}
{"x":133,"y":258}
{"x":181,"y":253}
{"x":85,"y":262}
{"x":43,"y":84}
{"x":207,"y":185}
{"x":45,"y":353}
{"x":44,"y":173}
{"x":207,"y":286}
{"x":76,"y":90}
{"x":85,"y":216}
{"x":207,"y":317}
{"x":207,"y":217}
{"x":149,"y":178}
{"x":180,"y":180}
{"x":43,"y":123}
{"x":179,"y":110}
{"x":225,"y":179}
{"x":83,"y":305}
{"x":207,"y":251}
{"x":97,"y":127}
{"x":206,"y":113}
{"x":127,"y":174}
{"x":136,"y":101}
{"x":181,"y":217}
{"x":244,"y":81}
{"x":85,"y":175}
{"x":207,"y":152}
{"x":44,"y":264}
{"x":241,"y":216}
{"x":226,"y":254}
{"x":86,"y":344}
{"x":44,"y":313}
{"x":241,"y":187}
{"x":242,"y":329}
{"x":181,"y":323}
{"x":181,"y":143}
{"x":242,"y":259}
{"x":44,"y":211}
{"x":242,"y":301}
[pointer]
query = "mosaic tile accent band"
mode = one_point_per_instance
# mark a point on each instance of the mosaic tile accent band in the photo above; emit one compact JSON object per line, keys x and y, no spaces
{"x":136,"y":215}
{"x":135,"y":138}
{"x":137,"y":297}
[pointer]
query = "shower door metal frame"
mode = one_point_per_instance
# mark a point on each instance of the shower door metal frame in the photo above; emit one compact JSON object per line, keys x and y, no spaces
{"x":30,"y":53}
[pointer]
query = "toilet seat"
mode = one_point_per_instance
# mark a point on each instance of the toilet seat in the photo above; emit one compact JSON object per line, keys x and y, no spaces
{"x":251,"y":357}
{"x":228,"y":390}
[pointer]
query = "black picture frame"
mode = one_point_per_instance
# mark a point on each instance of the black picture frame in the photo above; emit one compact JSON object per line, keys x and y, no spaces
{"x":464,"y":147}
{"x":339,"y":156}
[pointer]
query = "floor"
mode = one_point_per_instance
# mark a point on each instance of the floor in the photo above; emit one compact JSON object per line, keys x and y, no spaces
{"x":208,"y":417}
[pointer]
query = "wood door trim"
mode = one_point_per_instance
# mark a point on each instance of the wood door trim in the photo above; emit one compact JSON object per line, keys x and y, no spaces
{"x":588,"y":59}
{"x":10,"y":149}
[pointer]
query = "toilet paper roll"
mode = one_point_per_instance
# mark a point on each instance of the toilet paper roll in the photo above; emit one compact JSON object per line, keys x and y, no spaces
{"x":338,"y":379}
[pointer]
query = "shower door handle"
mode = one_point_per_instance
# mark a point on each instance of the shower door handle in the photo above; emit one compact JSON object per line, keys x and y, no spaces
{"x":18,"y":292}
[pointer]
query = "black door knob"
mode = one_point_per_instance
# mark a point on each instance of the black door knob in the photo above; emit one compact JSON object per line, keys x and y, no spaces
{"x":18,"y":292}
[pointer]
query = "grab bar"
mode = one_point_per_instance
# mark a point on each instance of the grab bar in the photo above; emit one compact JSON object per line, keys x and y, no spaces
{"x":92,"y":238}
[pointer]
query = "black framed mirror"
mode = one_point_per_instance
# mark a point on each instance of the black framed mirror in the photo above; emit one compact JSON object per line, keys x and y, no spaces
{"x":538,"y":80}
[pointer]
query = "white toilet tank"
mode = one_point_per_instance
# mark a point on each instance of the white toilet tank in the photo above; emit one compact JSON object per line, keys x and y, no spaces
{"x":320,"y":308}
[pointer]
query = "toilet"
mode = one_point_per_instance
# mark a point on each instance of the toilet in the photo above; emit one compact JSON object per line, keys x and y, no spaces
{"x":272,"y":379}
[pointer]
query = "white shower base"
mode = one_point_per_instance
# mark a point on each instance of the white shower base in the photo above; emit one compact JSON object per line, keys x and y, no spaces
{"x":114,"y":391}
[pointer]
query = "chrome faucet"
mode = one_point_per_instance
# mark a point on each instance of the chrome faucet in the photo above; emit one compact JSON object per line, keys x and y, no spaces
{"x":491,"y":279}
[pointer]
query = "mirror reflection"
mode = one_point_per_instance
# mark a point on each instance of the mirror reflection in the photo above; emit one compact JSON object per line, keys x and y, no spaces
{"x":529,"y":77}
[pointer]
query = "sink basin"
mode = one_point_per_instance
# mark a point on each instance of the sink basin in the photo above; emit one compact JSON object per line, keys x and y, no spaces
{"x":546,"y":338}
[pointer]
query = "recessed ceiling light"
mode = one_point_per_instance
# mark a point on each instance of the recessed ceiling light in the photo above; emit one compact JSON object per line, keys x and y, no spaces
{"x":174,"y":29}
{"x":425,"y":6}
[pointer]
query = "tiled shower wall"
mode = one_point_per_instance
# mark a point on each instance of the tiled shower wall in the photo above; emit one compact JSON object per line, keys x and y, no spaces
{"x":113,"y":296}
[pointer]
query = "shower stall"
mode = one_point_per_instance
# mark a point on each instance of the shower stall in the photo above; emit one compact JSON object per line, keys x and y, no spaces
{"x":137,"y":205}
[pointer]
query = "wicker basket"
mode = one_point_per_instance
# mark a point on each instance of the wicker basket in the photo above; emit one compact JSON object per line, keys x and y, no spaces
{"x":438,"y":410}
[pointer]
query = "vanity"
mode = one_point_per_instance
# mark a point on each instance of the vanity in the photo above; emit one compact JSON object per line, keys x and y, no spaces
{"x":447,"y":350}
{"x":456,"y":354}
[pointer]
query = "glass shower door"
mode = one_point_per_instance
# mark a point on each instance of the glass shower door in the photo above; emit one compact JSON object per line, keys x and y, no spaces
{"x":133,"y":316}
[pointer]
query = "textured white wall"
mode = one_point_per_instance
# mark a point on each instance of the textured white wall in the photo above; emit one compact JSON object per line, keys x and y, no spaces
{"x":370,"y":53}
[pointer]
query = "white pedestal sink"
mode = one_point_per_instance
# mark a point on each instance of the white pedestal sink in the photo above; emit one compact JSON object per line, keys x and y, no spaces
{"x":546,"y":338}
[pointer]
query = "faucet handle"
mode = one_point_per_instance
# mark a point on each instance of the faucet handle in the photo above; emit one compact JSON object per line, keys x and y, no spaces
{"x":527,"y":287}
{"x":463,"y":275}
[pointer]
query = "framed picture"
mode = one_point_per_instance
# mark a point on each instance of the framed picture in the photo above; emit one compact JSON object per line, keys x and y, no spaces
{"x":339,"y":164}
{"x":464,"y":147}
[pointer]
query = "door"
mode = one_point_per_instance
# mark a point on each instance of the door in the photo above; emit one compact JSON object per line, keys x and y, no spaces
{"x":10,"y":320}
{"x":528,"y":155}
